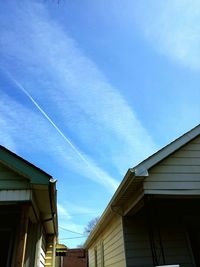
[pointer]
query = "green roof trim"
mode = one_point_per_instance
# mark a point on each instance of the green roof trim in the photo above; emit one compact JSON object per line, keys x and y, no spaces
{"x":23,"y":167}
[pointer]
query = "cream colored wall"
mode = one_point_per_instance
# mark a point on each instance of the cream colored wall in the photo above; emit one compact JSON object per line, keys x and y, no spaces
{"x":50,"y":251}
{"x":179,"y":172}
{"x":113,"y":246}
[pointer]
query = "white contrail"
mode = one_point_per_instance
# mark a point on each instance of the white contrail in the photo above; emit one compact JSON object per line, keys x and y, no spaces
{"x":48,"y":118}
{"x":109,"y":179}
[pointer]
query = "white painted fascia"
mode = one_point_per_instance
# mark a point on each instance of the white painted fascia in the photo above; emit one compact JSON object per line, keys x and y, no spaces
{"x":166,"y":151}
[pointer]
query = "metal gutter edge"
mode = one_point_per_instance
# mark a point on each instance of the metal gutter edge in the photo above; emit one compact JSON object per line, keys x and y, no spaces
{"x":141,"y":171}
{"x":108,"y":211}
{"x":169,"y":149}
{"x":53,"y":204}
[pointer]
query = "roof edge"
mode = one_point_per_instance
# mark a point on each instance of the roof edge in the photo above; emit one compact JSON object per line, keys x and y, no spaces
{"x":22,"y":166}
{"x":108,"y":211}
{"x":141,"y":170}
{"x":167,"y":150}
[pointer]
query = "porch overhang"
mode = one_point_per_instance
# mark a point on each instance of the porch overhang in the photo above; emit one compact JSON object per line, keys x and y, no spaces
{"x":128,"y":195}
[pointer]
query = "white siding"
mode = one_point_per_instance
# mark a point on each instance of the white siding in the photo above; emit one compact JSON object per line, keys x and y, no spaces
{"x":15,"y":195}
{"x":42,"y":250}
{"x":180,"y":172}
{"x":113,"y":246}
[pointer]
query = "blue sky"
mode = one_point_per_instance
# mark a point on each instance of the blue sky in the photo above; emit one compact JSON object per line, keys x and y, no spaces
{"x":90,"y":88}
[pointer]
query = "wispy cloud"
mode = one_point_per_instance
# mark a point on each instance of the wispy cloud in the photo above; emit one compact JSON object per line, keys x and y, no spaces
{"x":6,"y":139}
{"x":63,"y":212}
{"x":74,"y":229}
{"x":74,"y":93}
{"x":14,"y":117}
{"x":91,"y":167}
{"x":71,"y":233}
{"x":77,"y":209}
{"x":173,"y":28}
{"x":68,"y":229}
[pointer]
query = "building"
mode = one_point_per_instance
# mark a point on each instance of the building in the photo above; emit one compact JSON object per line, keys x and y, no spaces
{"x":61,"y":251}
{"x":28,"y":210}
{"x":75,"y":257}
{"x":153,"y":218}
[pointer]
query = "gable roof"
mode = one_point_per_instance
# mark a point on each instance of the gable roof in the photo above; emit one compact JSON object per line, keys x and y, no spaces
{"x":137,"y":174}
{"x":44,"y":186}
{"x":142,"y":168}
{"x":23,"y":167}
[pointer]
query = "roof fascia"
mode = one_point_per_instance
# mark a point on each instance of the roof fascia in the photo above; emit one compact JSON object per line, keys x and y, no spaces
{"x":148,"y":163}
{"x":53,"y":204}
{"x":129,"y":178}
{"x":108,"y":212}
{"x":140,"y":172}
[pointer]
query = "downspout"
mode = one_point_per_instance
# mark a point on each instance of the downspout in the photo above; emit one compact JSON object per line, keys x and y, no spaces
{"x":52,"y":197}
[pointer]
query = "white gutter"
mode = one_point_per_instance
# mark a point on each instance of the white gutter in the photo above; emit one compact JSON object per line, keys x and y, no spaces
{"x":129,"y":178}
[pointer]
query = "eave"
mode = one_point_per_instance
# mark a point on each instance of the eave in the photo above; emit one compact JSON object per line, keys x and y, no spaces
{"x":133,"y":180}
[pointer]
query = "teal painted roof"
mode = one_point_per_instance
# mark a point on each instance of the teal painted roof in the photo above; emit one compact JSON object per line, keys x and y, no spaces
{"x":23,"y":167}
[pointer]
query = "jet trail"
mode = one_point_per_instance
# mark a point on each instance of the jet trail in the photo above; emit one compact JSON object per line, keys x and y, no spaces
{"x":48,"y":118}
{"x":109,"y":180}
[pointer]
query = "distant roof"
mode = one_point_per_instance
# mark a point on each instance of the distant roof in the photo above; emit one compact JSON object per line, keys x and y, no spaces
{"x":61,"y":248}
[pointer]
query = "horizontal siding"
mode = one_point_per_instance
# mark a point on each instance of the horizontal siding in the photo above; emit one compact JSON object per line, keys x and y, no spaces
{"x":91,"y":257}
{"x":113,"y":258}
{"x":195,"y":141}
{"x":177,"y":169}
{"x":138,"y":252}
{"x":175,"y":244}
{"x":137,"y":243}
{"x":119,"y":263}
{"x":180,"y":171}
{"x":116,"y":246}
{"x":109,"y":246}
{"x":191,"y":146}
{"x":170,"y":177}
{"x":42,"y":250}
{"x":187,"y":154}
{"x":192,"y":161}
{"x":15,"y":195}
{"x":172,"y":185}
